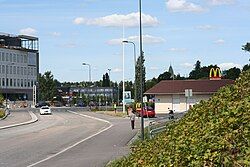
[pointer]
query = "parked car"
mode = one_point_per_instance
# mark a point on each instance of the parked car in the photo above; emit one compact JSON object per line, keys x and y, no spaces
{"x":147,"y":112}
{"x":45,"y":110}
{"x":41,"y":103}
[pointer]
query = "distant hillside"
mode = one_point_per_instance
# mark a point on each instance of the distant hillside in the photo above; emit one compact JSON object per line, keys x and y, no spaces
{"x":213,"y":133}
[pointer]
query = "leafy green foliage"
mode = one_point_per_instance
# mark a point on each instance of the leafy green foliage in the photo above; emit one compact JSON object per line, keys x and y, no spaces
{"x":232,"y":73}
{"x":140,"y":78}
{"x":47,"y":86}
{"x":212,"y":133}
{"x":2,"y":113}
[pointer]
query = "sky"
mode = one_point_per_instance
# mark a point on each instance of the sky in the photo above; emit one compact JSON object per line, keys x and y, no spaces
{"x":176,"y":32}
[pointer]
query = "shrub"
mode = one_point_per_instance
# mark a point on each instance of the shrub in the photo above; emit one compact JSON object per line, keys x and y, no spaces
{"x":213,"y":133}
{"x":2,"y":113}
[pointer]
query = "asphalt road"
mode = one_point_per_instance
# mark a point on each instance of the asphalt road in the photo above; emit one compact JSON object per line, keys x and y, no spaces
{"x":65,"y":139}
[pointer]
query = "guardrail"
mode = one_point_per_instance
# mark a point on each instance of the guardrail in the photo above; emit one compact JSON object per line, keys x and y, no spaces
{"x":155,"y":129}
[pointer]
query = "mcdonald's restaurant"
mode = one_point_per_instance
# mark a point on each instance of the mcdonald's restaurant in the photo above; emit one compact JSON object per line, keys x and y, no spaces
{"x":180,"y":95}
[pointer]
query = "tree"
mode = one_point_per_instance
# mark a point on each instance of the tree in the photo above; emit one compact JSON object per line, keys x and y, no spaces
{"x":140,"y":82}
{"x":150,"y":83}
{"x":201,"y":72}
{"x":47,"y":86}
{"x":164,"y":76}
{"x":246,"y":47}
{"x":105,"y":80}
{"x":232,"y":73}
{"x":246,"y":67}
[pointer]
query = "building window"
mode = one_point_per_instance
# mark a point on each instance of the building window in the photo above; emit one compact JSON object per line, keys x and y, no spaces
{"x":7,"y":57}
{"x":21,"y":70}
{"x":25,"y":59}
{"x":10,"y":57}
{"x":28,"y":83}
{"x":3,"y":59}
{"x":14,"y":70}
{"x":14,"y":83}
{"x":18,"y":70}
{"x":24,"y":71}
{"x":14,"y":57}
{"x":3,"y":83}
{"x":21,"y":58}
{"x":10,"y":69}
{"x":11,"y":82}
{"x":18,"y":58}
{"x":21,"y":82}
{"x":25,"y":83}
{"x":7,"y":82}
{"x":7,"y":69}
{"x":3,"y":69}
{"x":18,"y":82}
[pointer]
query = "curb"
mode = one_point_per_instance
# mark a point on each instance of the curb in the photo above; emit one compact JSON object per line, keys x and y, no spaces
{"x":33,"y":119}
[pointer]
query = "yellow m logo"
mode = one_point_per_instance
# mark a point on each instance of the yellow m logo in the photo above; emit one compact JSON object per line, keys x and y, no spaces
{"x":215,"y":73}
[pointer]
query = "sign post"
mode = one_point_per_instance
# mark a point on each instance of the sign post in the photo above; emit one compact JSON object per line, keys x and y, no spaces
{"x":188,"y":94}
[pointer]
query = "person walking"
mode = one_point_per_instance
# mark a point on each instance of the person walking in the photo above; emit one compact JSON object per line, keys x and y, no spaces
{"x":132,"y":119}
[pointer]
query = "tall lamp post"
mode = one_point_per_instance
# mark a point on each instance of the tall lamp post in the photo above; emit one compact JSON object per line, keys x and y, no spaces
{"x":86,"y":64}
{"x":6,"y":83}
{"x":141,"y":53}
{"x":134,"y":65}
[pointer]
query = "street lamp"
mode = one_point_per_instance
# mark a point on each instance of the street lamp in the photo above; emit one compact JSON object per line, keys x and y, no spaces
{"x":85,"y":64}
{"x":134,"y":62}
{"x":6,"y":83}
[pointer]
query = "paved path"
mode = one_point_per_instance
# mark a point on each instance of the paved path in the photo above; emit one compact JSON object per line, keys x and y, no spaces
{"x":15,"y":117}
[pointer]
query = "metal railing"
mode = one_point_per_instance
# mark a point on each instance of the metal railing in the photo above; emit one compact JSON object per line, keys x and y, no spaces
{"x":161,"y":124}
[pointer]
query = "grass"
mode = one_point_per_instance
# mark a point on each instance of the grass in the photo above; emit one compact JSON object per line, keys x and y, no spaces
{"x":112,"y":113}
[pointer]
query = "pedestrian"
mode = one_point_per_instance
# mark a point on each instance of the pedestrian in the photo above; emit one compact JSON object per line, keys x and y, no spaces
{"x":132,"y":118}
{"x":115,"y":107}
{"x":171,"y":114}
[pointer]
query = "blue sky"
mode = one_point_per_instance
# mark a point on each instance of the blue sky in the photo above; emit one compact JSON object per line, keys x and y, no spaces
{"x":177,"y":32}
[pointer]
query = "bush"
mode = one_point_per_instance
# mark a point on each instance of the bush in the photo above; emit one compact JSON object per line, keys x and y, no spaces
{"x":213,"y":133}
{"x":2,"y":113}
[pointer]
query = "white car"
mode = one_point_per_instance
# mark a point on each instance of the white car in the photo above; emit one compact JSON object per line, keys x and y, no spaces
{"x":45,"y":110}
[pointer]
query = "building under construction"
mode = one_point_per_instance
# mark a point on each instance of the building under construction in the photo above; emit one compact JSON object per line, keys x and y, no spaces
{"x":19,"y":66}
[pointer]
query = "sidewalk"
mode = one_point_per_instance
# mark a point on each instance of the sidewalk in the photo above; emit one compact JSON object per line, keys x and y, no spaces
{"x":16,"y":117}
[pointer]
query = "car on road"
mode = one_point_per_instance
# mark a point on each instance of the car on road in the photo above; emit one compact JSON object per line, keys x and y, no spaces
{"x":45,"y":110}
{"x":147,"y":112}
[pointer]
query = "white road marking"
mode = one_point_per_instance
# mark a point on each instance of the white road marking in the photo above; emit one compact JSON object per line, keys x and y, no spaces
{"x":77,"y":143}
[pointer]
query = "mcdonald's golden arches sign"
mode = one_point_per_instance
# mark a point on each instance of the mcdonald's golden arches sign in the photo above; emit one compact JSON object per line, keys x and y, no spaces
{"x":215,"y":74}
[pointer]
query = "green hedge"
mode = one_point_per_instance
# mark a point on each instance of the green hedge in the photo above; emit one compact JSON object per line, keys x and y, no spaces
{"x":212,"y":133}
{"x":2,"y":113}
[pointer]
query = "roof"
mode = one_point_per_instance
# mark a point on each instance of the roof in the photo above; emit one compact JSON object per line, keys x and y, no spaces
{"x":197,"y":86}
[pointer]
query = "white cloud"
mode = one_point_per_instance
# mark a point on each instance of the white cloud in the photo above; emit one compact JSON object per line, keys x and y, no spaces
{"x":28,"y":31}
{"x":226,"y":66}
{"x":205,"y":27}
{"x":117,"y":70}
{"x":183,"y":6}
{"x":221,"y":2}
{"x":55,"y":34}
{"x":148,"y":39}
{"x":116,"y":20}
{"x":177,"y":49}
{"x":219,"y":41}
{"x":187,"y":65}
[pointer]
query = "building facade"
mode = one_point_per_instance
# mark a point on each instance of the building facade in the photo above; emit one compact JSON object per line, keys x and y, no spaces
{"x":19,"y":66}
{"x":173,"y":94}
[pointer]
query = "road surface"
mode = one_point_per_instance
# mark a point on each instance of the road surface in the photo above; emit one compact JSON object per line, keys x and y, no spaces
{"x":75,"y":139}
